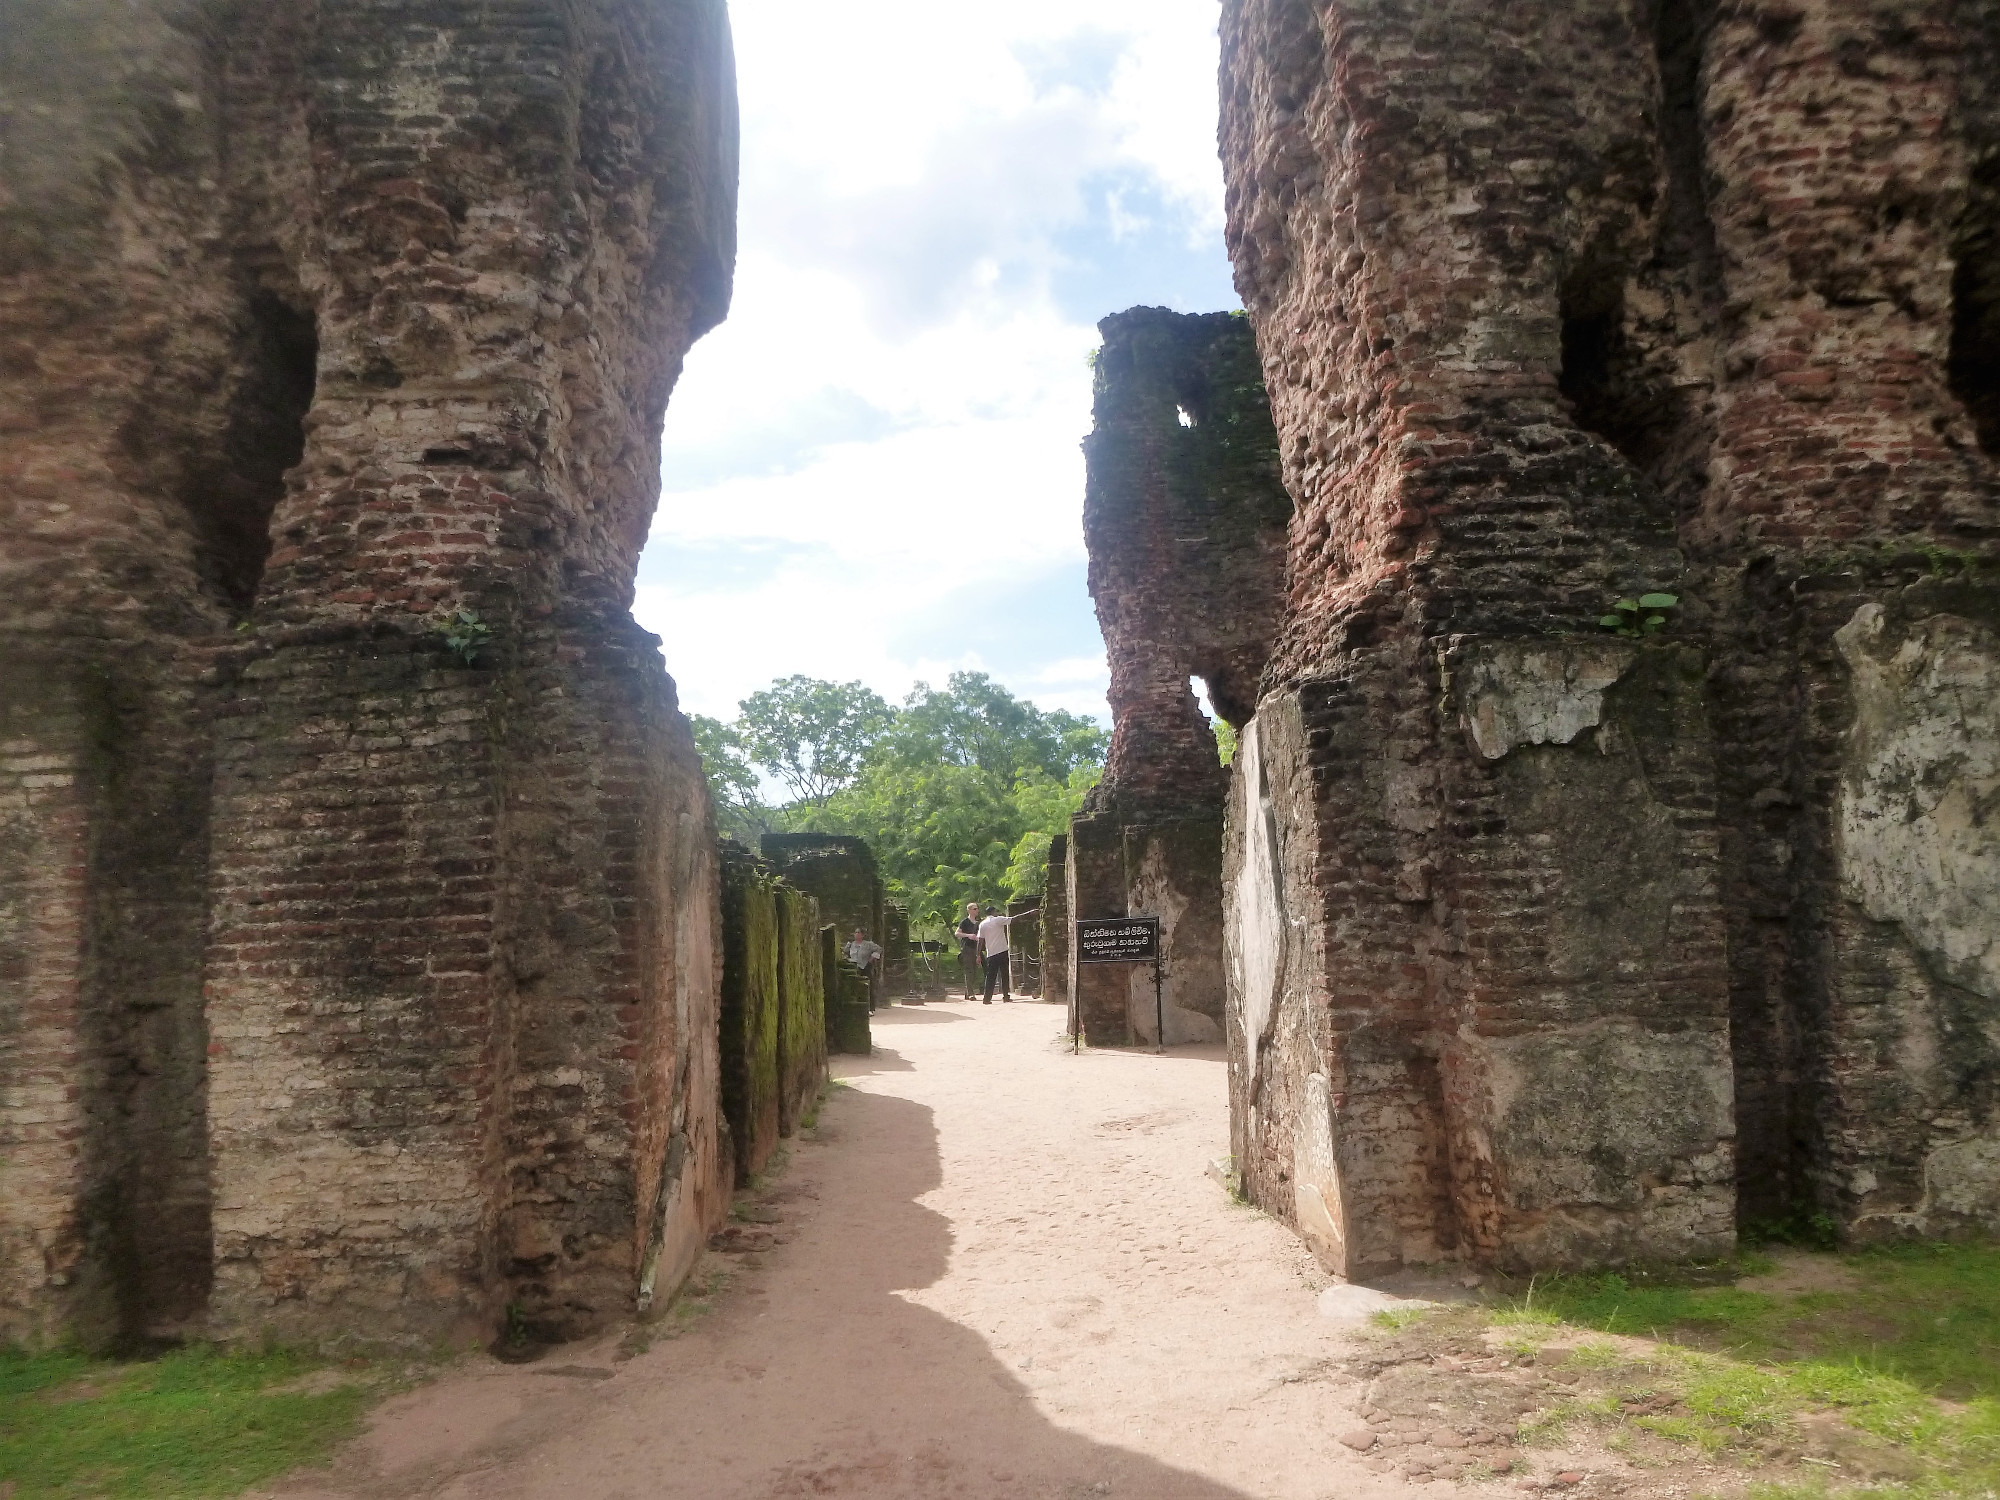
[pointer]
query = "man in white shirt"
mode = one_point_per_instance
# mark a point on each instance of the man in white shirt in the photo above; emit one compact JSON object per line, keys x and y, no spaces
{"x":993,"y":943}
{"x":867,"y":957}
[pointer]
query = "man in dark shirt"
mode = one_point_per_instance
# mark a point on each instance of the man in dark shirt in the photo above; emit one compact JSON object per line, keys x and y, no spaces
{"x":968,"y":947}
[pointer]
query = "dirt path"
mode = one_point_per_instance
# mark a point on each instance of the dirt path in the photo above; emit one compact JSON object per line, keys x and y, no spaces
{"x":998,"y":1270}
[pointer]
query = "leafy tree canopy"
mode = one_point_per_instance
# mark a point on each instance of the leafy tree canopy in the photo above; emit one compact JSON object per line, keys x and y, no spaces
{"x":732,"y":779}
{"x":958,"y":792}
{"x":811,"y":735}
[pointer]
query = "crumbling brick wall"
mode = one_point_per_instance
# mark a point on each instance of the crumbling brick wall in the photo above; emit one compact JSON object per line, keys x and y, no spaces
{"x":1548,"y":947}
{"x":1184,"y":516}
{"x":367,"y":984}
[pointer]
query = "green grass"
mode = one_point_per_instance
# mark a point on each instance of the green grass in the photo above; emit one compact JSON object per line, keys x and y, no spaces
{"x":1910,"y":1354}
{"x":194,"y":1423}
{"x":1396,"y":1319}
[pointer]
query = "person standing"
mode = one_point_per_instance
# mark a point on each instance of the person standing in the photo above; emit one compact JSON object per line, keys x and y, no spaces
{"x":993,"y":943}
{"x":968,"y":947}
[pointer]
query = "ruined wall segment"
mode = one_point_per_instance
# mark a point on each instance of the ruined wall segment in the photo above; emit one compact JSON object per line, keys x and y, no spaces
{"x":1184,"y":518}
{"x":327,"y":323}
{"x":1561,"y":304}
{"x":1850,"y":519}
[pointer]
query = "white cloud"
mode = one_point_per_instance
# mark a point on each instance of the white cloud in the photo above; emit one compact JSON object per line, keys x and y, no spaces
{"x":886,"y":428}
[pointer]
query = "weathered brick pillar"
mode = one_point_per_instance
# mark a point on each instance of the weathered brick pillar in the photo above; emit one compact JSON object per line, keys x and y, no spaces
{"x":1056,"y":931}
{"x":1184,"y":517}
{"x":1555,"y":924}
{"x":1846,"y":532}
{"x":139,"y":396}
{"x":1478,"y":996}
{"x":462,"y":967}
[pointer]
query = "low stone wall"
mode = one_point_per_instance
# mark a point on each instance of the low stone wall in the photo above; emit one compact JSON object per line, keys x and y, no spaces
{"x":774,"y":1029}
{"x":801,"y":1008}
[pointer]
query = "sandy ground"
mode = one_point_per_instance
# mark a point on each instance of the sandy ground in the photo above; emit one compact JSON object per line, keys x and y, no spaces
{"x":995,"y":1270}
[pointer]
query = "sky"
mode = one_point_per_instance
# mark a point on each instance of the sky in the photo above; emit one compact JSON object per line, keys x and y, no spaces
{"x":871,"y":470}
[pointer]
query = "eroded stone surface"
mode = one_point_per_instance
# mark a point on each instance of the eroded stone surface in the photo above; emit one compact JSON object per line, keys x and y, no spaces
{"x":1184,"y":518}
{"x":1559,"y":304}
{"x":318,"y":326}
{"x":1920,"y":845}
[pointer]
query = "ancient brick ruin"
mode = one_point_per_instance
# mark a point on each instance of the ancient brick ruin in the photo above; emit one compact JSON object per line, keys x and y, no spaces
{"x":841,"y":874}
{"x":358,"y":922}
{"x":779,"y":987}
{"x":1546,"y":945}
{"x":1184,"y":517}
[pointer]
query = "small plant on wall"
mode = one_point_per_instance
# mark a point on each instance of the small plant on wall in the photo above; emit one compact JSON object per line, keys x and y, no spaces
{"x":1642,"y":616}
{"x":464,"y":634}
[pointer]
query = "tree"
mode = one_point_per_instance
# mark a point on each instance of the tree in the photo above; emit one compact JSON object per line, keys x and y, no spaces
{"x":813,"y":735}
{"x":1046,"y":806}
{"x":973,"y":721}
{"x":1225,"y":740}
{"x":955,"y":784}
{"x":732,"y":782}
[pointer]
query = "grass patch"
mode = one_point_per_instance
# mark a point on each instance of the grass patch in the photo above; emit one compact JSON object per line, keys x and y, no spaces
{"x":196,"y":1422}
{"x":1396,"y":1319}
{"x":1905,"y":1353}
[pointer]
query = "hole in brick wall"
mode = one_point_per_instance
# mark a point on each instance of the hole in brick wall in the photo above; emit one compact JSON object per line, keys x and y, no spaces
{"x":1602,"y":377}
{"x":1973,"y":367}
{"x":233,"y":496}
{"x":1182,"y":413}
{"x":1593,"y":316}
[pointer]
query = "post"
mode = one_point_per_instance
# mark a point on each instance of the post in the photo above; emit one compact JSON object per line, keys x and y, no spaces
{"x":1159,"y":1006}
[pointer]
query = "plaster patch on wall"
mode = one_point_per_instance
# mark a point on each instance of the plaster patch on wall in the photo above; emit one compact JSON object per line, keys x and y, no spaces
{"x":1962,"y":1180}
{"x":1256,"y":936}
{"x":1515,"y":693}
{"x":1592,"y":1116}
{"x":1316,"y":1179}
{"x":1920,"y":793}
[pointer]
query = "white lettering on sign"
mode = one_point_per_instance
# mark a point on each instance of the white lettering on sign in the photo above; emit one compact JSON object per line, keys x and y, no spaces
{"x":1122,"y":941}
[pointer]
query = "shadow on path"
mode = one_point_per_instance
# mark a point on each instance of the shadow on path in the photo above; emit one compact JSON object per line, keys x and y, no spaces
{"x":812,"y":1375}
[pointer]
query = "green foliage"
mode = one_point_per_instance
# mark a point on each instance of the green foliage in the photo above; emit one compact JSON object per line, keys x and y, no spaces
{"x":974,"y":722}
{"x":1047,"y":806}
{"x":1225,"y":740}
{"x":958,"y":791}
{"x":196,"y":1422}
{"x":1642,"y":616}
{"x":812,"y":735}
{"x":732,"y":780}
{"x":464,"y":634}
{"x":1805,"y":1229}
{"x":1396,"y":1319}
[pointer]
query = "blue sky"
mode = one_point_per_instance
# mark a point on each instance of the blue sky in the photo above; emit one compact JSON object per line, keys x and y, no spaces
{"x":871,"y":470}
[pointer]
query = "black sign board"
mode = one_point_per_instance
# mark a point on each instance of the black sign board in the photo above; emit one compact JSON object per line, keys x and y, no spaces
{"x":1118,"y":940}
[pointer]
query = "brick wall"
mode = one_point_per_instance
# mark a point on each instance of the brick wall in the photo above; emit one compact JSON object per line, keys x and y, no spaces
{"x":409,"y":954}
{"x":1184,"y":517}
{"x":1556,"y":305}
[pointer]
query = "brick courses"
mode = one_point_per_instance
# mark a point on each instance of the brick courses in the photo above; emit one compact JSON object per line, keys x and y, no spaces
{"x":383,"y":974}
{"x":1559,"y":303}
{"x":1184,"y":517}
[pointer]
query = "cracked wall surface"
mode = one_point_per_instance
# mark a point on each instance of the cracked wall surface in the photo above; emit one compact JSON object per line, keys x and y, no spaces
{"x":359,"y":982}
{"x":1559,"y":304}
